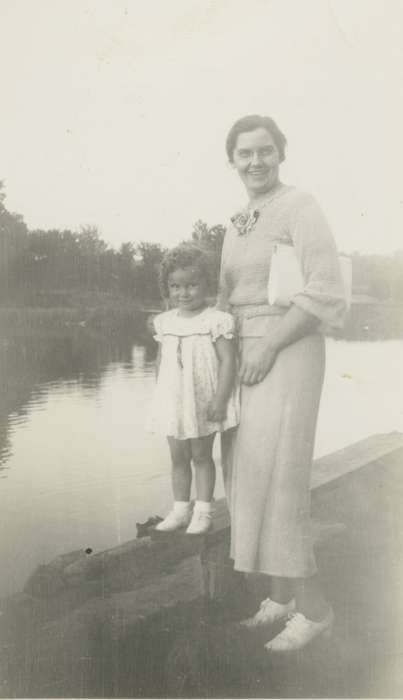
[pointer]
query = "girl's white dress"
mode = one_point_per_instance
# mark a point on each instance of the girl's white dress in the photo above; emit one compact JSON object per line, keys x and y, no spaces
{"x":188,"y":373}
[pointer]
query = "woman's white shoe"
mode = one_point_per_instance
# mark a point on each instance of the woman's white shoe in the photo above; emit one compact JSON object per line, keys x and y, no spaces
{"x":299,"y":631}
{"x":269,"y":613}
{"x":174,"y":521}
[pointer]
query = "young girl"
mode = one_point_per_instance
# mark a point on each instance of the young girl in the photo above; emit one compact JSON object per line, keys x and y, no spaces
{"x":195,"y":394}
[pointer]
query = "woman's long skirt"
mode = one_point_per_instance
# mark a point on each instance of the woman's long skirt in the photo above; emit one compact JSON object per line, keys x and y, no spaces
{"x":267,"y":463}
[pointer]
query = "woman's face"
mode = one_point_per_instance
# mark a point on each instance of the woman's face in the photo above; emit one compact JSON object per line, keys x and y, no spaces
{"x":257,"y":161}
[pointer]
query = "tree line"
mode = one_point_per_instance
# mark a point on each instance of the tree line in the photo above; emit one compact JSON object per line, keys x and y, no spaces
{"x":47,"y":266}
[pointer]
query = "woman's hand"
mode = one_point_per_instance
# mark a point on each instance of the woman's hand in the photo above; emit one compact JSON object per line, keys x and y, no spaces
{"x":257,"y":362}
{"x":216,"y":411}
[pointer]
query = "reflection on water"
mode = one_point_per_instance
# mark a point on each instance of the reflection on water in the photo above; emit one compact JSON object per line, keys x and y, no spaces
{"x":79,"y":470}
{"x":31,"y":366}
{"x":70,"y":406}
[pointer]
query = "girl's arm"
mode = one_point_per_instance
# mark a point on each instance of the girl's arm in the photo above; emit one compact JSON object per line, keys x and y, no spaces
{"x":157,"y":323}
{"x":226,"y":354}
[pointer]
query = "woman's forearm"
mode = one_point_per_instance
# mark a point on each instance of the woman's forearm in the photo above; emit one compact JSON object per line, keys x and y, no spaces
{"x":295,"y":324}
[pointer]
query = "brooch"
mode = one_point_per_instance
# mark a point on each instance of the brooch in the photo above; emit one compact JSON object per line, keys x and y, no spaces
{"x":245,"y":221}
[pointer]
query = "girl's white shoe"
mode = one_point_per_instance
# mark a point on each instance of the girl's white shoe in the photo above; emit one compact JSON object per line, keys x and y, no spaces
{"x":175,"y":520}
{"x":299,"y":631}
{"x":200,"y":523}
{"x":269,"y":613}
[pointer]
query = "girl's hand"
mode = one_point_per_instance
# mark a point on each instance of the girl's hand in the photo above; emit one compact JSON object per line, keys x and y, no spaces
{"x":216,"y":411}
{"x":257,"y":362}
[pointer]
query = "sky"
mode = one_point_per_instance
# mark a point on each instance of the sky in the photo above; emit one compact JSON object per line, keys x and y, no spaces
{"x":114,"y":113}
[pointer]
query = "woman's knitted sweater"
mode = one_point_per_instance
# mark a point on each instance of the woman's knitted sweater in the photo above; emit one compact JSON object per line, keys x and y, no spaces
{"x":288,"y":216}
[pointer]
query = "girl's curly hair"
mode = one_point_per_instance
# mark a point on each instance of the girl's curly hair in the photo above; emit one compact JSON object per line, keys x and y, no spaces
{"x":183,"y":256}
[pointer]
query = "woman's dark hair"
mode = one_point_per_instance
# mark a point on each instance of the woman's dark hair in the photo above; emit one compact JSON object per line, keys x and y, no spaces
{"x":250,"y":123}
{"x":183,"y":256}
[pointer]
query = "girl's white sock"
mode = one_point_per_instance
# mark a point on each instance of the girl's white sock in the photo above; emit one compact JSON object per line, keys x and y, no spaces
{"x":204,"y":506}
{"x":182,"y":506}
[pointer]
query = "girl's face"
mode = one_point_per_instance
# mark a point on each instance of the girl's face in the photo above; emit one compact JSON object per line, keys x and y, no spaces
{"x":256,"y":159}
{"x":188,"y":290}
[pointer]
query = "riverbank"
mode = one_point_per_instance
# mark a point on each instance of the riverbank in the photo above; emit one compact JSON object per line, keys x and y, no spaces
{"x":98,"y":312}
{"x":104,"y":312}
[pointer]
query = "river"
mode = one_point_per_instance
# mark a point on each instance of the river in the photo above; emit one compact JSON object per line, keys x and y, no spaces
{"x":77,"y":468}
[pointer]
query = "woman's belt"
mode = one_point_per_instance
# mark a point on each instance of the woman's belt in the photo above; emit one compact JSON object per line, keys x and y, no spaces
{"x":254,"y":310}
{"x":255,"y":320}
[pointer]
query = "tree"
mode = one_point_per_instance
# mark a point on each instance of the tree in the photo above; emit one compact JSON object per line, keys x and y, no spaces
{"x":212,"y":239}
{"x":91,"y":250}
{"x":380,"y":276}
{"x":126,"y":271}
{"x":149,"y":257}
{"x":13,"y":236}
{"x":397,"y":281}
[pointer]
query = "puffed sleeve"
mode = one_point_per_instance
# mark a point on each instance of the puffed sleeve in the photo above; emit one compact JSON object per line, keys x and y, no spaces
{"x":323,"y":294}
{"x":158,"y":324}
{"x":222,"y":325}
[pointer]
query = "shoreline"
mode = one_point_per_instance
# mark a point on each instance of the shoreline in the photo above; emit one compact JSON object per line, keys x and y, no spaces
{"x":98,"y":315}
{"x":374,"y":320}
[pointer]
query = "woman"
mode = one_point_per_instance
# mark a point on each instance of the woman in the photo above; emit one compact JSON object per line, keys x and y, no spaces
{"x":268,"y":461}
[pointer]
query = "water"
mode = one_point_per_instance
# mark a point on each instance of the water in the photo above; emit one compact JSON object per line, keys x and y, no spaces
{"x":77,"y":468}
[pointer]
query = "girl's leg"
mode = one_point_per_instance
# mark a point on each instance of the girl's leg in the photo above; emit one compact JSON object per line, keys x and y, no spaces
{"x":181,"y":513}
{"x":202,"y":458}
{"x":181,"y":468}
